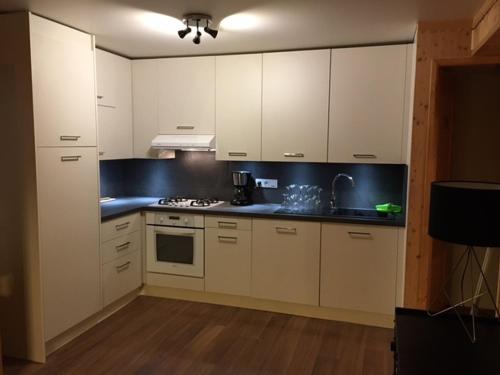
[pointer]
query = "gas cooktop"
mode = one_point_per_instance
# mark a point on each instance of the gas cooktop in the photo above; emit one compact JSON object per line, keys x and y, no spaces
{"x":188,"y":202}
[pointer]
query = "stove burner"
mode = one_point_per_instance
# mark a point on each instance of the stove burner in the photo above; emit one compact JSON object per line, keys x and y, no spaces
{"x":201,"y":203}
{"x":166,"y":201}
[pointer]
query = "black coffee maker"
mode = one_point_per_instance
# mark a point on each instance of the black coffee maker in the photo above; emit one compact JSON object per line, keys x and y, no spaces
{"x":242,"y":183}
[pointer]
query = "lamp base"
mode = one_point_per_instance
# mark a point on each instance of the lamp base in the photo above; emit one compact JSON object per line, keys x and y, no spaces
{"x":470,"y":257}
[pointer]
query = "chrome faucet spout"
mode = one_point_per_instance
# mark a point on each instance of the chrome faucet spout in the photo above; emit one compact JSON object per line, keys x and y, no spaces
{"x":333,"y":200}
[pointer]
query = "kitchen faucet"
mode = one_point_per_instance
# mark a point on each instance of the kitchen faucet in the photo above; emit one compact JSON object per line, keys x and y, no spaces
{"x":333,"y":201}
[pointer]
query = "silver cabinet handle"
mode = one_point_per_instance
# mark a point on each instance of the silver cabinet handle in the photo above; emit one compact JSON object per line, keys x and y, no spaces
{"x":101,"y":153}
{"x":123,"y":267}
{"x":286,"y":230}
{"x":293,"y":155}
{"x":123,"y":246}
{"x":100,"y":96}
{"x":228,"y":239}
{"x":360,"y":235}
{"x":122,"y":226}
{"x":237,"y":153}
{"x":71,"y":158}
{"x":365,"y":156}
{"x":185,"y":127}
{"x":69,"y":137}
{"x":227,"y":225}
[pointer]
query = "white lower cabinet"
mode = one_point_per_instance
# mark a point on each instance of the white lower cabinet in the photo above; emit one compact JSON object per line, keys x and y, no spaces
{"x":69,"y":235}
{"x":358,"y":267}
{"x":121,"y":256}
{"x":228,"y":257}
{"x":286,"y":261}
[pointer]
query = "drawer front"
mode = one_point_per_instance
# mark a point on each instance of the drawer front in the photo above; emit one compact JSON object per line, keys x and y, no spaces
{"x":228,"y":261}
{"x":120,"y":246}
{"x":222,"y":222}
{"x":118,"y":227}
{"x":121,"y":276}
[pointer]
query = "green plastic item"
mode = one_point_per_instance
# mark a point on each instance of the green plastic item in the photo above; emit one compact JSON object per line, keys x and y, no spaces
{"x":388,"y":208}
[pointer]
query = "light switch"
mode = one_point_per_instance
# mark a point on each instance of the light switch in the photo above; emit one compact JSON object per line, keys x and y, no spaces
{"x":266,"y":183}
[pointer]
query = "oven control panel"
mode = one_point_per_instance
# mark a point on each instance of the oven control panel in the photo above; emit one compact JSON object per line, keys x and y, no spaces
{"x":175,"y":219}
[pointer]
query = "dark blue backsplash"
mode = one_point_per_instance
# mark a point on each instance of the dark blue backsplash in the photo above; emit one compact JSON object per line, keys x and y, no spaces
{"x":198,"y":174}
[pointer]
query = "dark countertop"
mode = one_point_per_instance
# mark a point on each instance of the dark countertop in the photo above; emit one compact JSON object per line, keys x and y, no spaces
{"x":128,"y":205}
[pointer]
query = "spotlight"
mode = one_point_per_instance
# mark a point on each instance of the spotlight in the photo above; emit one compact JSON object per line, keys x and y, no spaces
{"x":194,"y":20}
{"x":184,"y":32}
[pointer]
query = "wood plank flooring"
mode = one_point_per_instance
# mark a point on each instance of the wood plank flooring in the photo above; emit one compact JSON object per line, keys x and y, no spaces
{"x":164,"y":336}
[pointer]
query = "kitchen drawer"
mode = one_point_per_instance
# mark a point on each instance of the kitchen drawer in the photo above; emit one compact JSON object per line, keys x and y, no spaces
{"x":228,"y":223}
{"x":118,"y":227}
{"x":121,"y":276}
{"x":120,"y":246}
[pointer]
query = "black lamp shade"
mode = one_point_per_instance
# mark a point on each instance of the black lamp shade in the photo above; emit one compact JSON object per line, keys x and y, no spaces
{"x":465,"y":212}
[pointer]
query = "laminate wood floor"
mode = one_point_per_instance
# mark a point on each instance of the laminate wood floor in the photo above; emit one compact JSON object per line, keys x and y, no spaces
{"x":164,"y":336}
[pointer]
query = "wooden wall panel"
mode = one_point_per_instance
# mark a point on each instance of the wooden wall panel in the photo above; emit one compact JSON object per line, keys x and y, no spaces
{"x":425,"y":264}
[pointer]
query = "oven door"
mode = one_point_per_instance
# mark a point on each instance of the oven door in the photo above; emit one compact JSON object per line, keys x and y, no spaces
{"x":175,"y":251}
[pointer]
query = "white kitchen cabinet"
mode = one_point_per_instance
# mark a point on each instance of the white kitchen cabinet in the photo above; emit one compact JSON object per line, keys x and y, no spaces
{"x":114,"y":100}
{"x":68,"y":212}
{"x":295,"y":106}
{"x":367,"y":108}
{"x":358,"y":267}
{"x":145,"y":106}
{"x":64,"y":99}
{"x":238,"y":110}
{"x":186,"y":95}
{"x":228,"y":261}
{"x":121,"y":276}
{"x":120,"y":226}
{"x":286,"y":261}
{"x":123,"y":245}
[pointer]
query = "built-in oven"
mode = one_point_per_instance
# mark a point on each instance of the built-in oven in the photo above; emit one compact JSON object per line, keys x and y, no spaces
{"x":175,"y":244}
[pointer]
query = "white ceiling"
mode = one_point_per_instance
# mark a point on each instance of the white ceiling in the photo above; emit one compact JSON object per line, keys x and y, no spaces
{"x":124,"y":25}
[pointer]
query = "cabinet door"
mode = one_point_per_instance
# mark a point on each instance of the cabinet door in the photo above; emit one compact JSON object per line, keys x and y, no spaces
{"x":295,"y":106}
{"x":145,"y":106}
{"x":285,"y":261}
{"x":358,"y":267}
{"x":121,"y":276}
{"x":68,"y":216}
{"x":238,"y":101}
{"x":64,"y":100}
{"x":367,"y":104}
{"x":114,"y":97}
{"x":186,"y":95}
{"x":227,"y":261}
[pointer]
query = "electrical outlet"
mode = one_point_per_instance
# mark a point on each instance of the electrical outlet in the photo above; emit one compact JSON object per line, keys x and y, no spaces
{"x":266,"y":183}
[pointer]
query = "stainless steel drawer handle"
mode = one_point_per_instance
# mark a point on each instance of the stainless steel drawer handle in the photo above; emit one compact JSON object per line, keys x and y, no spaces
{"x":365,"y":156}
{"x":286,"y":230}
{"x":228,"y":239}
{"x":227,"y":224}
{"x":71,"y":158}
{"x":100,"y":96}
{"x":122,"y":226}
{"x":123,"y":267}
{"x":185,"y":127}
{"x":293,"y":155}
{"x":101,"y":153}
{"x":69,"y":137}
{"x":123,"y":246}
{"x":237,"y":153}
{"x":363,"y":235}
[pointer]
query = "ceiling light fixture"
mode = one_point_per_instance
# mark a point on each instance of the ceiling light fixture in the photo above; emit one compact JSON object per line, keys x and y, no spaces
{"x":194,"y":20}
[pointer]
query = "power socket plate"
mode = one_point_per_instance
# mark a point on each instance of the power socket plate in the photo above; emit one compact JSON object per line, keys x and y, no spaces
{"x":266,"y":183}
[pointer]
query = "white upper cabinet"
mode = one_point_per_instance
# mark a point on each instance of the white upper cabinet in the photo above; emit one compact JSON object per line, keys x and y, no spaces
{"x":145,"y":106}
{"x":114,"y":98}
{"x":64,"y":97}
{"x":295,"y":106}
{"x":186,"y":95}
{"x":238,"y":107}
{"x":367,"y":112}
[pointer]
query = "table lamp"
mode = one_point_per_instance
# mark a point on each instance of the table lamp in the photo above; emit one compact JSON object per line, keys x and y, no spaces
{"x":466,"y":213}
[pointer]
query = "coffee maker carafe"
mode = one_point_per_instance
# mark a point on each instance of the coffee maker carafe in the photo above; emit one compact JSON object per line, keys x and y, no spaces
{"x":242,"y":188}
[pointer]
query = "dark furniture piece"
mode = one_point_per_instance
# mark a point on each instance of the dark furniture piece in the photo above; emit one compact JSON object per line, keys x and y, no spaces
{"x":427,"y":345}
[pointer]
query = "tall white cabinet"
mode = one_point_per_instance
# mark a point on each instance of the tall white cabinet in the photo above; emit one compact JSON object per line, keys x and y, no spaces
{"x":238,"y":107}
{"x":367,"y":107}
{"x":52,"y":236}
{"x":114,"y":105}
{"x":295,"y":97}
